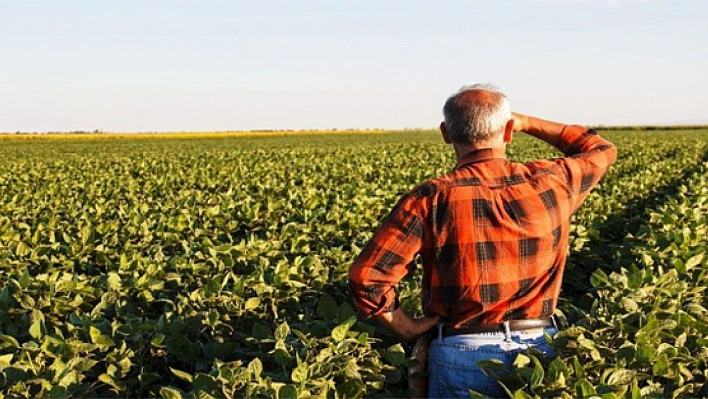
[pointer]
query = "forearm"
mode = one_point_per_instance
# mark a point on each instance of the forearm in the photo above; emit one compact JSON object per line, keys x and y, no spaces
{"x":405,"y":326}
{"x":547,"y":131}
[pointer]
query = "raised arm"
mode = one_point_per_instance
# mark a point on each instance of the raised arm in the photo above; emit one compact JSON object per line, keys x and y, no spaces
{"x":542,"y":129}
{"x":588,"y":156}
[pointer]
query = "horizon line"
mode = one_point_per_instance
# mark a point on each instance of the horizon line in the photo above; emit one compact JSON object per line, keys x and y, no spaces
{"x":662,"y":126}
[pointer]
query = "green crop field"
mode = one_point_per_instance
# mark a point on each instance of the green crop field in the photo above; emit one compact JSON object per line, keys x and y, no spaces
{"x":216,"y":268}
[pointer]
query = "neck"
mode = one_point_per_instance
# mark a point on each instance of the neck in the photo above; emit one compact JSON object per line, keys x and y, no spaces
{"x":463,"y":149}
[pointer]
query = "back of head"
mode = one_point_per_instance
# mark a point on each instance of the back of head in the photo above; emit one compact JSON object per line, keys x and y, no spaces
{"x":476,"y":114}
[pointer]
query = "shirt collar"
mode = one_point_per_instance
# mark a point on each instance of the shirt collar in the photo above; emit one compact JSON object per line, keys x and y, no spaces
{"x":483,"y":154}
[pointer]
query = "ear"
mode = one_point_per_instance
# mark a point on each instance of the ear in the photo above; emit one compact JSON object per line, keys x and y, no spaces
{"x":508,"y":131}
{"x":443,"y":130}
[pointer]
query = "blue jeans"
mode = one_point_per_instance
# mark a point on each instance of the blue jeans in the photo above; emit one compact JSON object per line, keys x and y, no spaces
{"x":452,"y":361}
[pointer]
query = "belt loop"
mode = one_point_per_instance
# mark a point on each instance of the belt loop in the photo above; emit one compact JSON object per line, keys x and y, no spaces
{"x":507,"y":331}
{"x":440,"y":332}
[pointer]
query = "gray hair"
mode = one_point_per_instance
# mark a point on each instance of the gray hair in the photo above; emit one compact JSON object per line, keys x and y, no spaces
{"x":476,"y":114}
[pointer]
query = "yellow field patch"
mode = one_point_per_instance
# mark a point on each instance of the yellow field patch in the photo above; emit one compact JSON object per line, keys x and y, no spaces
{"x":182,"y":135}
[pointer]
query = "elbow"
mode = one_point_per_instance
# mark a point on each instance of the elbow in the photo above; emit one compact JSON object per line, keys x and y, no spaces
{"x":611,"y":153}
{"x":355,"y":280}
{"x":606,"y":148}
{"x":355,"y":284}
{"x":370,"y":299}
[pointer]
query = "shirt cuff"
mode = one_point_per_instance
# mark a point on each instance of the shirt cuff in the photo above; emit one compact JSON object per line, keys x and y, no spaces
{"x":366,"y":314}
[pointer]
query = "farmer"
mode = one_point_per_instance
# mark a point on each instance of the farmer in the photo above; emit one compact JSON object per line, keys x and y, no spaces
{"x":493,"y":238}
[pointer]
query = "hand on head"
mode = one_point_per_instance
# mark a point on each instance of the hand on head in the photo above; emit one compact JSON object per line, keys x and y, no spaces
{"x":520,"y":121}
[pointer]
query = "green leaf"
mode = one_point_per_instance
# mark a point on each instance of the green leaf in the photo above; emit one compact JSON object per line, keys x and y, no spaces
{"x":204,"y":382}
{"x":584,"y":389}
{"x":114,"y":281}
{"x":599,"y":279}
{"x":182,"y":375}
{"x":327,"y":308}
{"x":282,"y":331}
{"x":213,"y":210}
{"x":300,"y":373}
{"x":100,"y":339}
{"x":281,"y":356}
{"x":350,"y":389}
{"x":586,"y":343}
{"x":261,"y":331}
{"x":395,"y":354}
{"x":125,"y":364}
{"x":256,"y":367}
{"x":158,"y":340}
{"x":346,"y":312}
{"x":287,"y":391}
{"x":636,"y":392}
{"x":661,"y":366}
{"x":476,"y":395}
{"x":57,"y":392}
{"x":37,"y":330}
{"x":24,"y":279}
{"x":647,"y":259}
{"x":5,"y":295}
{"x":520,"y":394}
{"x":339,"y":333}
{"x":9,"y":341}
{"x":621,"y":377}
{"x":95,"y":334}
{"x":626,"y":353}
{"x":694,"y":261}
{"x":557,"y":372}
{"x":5,"y":360}
{"x":521,"y":361}
{"x":107,"y":379}
{"x":537,"y":374}
{"x":645,"y":354}
{"x":22,"y":250}
{"x":171,"y":393}
{"x":629,"y":304}
{"x":252,"y":303}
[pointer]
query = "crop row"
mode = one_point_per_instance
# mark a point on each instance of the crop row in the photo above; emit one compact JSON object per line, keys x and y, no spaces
{"x":618,"y":206}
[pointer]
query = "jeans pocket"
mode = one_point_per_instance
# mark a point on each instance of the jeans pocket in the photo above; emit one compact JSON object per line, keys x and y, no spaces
{"x":456,"y":382}
{"x":456,"y":372}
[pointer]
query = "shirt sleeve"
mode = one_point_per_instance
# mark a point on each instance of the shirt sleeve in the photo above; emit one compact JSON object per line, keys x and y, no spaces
{"x":588,"y":156}
{"x":384,"y":261}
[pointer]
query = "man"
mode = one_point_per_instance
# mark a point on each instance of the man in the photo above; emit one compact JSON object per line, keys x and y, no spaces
{"x":493,"y":237}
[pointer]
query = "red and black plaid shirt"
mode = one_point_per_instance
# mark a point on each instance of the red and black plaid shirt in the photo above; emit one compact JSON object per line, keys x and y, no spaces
{"x":492,"y":234}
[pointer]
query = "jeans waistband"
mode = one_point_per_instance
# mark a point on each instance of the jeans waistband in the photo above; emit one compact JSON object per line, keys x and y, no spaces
{"x":505,"y":335}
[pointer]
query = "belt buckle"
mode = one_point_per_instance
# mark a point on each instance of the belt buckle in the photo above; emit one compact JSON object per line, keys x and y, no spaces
{"x":507,"y":330}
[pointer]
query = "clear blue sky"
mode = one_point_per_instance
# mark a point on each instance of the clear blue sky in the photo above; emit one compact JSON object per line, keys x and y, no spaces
{"x":218,"y":65}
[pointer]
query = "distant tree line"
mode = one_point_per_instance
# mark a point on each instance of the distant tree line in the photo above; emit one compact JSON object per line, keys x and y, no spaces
{"x":97,"y":131}
{"x":660,"y":127}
